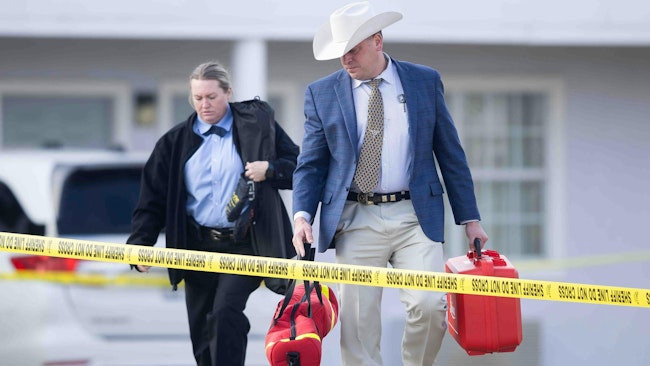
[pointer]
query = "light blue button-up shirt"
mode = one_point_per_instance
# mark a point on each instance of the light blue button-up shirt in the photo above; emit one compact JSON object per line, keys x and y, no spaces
{"x":211,"y":174}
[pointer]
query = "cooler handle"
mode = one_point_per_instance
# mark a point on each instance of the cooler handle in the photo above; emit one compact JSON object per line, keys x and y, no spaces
{"x":477,"y":247}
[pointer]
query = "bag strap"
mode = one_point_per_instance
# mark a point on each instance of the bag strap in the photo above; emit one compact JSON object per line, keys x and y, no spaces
{"x":309,"y":255}
{"x":309,"y":287}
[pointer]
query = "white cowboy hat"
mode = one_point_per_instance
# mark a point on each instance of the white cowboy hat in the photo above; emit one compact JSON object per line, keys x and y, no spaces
{"x":348,"y":26}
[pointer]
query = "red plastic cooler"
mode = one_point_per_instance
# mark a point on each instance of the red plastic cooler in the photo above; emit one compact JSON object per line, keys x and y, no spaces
{"x":485,"y":324}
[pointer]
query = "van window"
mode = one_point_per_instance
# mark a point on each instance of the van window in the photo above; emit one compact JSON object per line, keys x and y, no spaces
{"x":99,"y":201}
{"x":13,"y":218}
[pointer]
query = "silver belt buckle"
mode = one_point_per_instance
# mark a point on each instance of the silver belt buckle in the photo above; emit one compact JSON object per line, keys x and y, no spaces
{"x":363,"y":198}
{"x":215,"y":235}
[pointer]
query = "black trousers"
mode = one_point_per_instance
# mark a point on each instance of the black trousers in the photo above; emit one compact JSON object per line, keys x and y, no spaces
{"x":215,"y":309}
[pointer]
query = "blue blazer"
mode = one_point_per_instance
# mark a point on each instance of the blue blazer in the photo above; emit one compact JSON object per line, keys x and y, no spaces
{"x":329,"y":156}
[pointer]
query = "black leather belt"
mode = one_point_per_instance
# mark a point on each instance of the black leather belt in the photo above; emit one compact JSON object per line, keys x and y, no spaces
{"x":377,"y":198}
{"x":216,"y":235}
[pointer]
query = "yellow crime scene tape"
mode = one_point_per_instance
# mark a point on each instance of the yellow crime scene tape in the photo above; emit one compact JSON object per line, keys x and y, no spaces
{"x":325,"y":272}
{"x":95,"y":279}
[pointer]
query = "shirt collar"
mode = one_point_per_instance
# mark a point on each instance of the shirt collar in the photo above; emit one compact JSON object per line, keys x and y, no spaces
{"x":201,"y":127}
{"x":388,"y":74}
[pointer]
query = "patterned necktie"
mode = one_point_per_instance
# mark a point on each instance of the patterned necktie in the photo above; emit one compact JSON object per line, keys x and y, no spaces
{"x":367,"y":174}
{"x":215,"y":129}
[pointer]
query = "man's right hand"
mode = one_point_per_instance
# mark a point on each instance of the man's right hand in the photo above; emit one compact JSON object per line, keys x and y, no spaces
{"x":301,"y":234}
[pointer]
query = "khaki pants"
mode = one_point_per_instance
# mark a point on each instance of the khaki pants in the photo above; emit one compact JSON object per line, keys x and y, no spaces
{"x":376,"y":235}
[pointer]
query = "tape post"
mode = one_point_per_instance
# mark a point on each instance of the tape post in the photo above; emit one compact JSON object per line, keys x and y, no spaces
{"x":324,"y":271}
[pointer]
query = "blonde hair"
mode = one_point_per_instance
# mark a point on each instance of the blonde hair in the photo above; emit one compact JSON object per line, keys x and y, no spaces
{"x":211,"y":70}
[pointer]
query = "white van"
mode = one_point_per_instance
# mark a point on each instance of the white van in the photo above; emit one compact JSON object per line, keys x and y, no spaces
{"x":85,"y":195}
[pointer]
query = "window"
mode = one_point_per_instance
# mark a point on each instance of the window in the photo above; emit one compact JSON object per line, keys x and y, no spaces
{"x":64,"y":114}
{"x":110,"y":194}
{"x":173,"y":104}
{"x":506,"y":136}
{"x":70,"y":121}
{"x":181,"y":108}
{"x":13,"y":218}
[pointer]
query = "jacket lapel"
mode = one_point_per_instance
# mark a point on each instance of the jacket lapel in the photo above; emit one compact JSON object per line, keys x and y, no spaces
{"x":343,"y":90}
{"x":411,"y":94}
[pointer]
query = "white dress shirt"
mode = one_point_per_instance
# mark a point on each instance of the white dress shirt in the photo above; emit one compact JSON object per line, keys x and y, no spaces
{"x":396,"y":155}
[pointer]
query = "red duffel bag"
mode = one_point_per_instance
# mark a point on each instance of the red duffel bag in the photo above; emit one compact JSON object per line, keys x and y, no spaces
{"x":302,"y":319}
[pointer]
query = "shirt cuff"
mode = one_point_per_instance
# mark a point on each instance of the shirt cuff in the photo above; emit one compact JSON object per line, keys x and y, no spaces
{"x":304,"y":214}
{"x":467,"y":221}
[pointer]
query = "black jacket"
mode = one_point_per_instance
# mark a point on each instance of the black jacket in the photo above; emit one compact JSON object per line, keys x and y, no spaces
{"x":257,"y":136}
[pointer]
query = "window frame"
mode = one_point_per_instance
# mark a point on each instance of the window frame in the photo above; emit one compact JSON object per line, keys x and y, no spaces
{"x":554,"y":231}
{"x":166,"y":92}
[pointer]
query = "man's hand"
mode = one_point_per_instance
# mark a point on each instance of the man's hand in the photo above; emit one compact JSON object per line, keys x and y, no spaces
{"x":301,"y":234}
{"x":474,"y":230}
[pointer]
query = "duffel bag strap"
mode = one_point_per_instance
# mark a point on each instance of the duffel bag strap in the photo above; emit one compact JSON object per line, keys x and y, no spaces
{"x":309,"y":255}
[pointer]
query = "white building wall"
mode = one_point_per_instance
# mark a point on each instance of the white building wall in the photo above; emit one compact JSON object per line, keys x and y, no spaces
{"x":622,"y":22}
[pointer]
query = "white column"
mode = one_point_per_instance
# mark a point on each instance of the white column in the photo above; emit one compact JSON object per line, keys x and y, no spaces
{"x":249,"y":69}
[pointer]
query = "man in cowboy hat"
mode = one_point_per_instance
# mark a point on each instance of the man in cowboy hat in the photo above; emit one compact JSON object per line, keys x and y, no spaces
{"x":372,"y":130}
